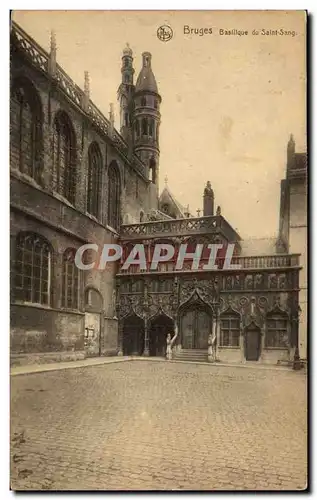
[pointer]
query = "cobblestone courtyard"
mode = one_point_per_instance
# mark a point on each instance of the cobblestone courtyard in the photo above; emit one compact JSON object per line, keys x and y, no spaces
{"x":158,"y":425}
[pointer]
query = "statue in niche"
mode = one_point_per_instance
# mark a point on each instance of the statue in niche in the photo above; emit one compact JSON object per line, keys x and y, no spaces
{"x":169,"y":344}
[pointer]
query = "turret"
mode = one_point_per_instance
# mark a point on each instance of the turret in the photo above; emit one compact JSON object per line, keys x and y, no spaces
{"x":125,"y":93}
{"x":146,"y":119}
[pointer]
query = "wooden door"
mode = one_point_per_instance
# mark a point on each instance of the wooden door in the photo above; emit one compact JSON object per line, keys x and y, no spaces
{"x":196,"y":326}
{"x":252,"y":345}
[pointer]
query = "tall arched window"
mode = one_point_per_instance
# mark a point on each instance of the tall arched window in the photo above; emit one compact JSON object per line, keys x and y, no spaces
{"x":144,"y":126}
{"x":26,"y":121}
{"x":151,"y":128}
{"x":70,"y":277}
{"x":276,"y":333}
{"x":113,"y":196}
{"x":229,"y":330}
{"x":94,"y":179}
{"x":143,"y":101}
{"x":33,"y":269}
{"x":64,"y":157}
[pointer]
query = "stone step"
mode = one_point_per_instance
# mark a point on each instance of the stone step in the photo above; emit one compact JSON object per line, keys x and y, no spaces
{"x":191,"y":355}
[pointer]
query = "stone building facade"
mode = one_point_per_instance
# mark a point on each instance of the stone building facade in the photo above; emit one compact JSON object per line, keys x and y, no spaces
{"x":293,"y":227}
{"x":74,"y":180}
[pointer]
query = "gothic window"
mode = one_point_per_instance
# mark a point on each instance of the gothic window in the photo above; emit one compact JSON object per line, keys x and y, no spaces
{"x":113,"y":196}
{"x":33,"y":269}
{"x":144,"y":126}
{"x":126,"y":119}
{"x":276,"y":333}
{"x":94,"y":179}
{"x":229,"y":330}
{"x":70,"y":277}
{"x":26,"y":128}
{"x":143,"y":101}
{"x":64,"y":157}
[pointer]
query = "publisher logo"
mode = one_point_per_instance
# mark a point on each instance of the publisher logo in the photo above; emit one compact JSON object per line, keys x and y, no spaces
{"x":164,"y":33}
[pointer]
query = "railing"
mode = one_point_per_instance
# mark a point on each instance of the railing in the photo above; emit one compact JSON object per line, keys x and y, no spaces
{"x":38,"y":55}
{"x":173,"y":226}
{"x":188,"y":226}
{"x":246,"y":263}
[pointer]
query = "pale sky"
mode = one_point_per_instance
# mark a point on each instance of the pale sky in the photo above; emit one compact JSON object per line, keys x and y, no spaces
{"x":229,"y":102}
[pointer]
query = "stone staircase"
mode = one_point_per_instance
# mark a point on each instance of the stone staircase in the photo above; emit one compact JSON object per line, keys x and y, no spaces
{"x":196,"y":355}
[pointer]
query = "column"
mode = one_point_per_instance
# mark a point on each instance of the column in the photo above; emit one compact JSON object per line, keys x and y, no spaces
{"x":263,"y":330}
{"x":146,"y":351}
{"x":242,"y":353}
{"x":120,"y":338}
{"x":217,"y":335}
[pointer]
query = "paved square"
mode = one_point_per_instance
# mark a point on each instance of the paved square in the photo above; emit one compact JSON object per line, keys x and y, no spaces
{"x":159,"y":425}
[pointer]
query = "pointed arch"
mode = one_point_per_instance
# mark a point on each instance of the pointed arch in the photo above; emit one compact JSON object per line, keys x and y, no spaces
{"x":64,"y":157}
{"x":94,"y":179}
{"x":33,"y":269}
{"x":114,"y":191}
{"x":26,"y":122}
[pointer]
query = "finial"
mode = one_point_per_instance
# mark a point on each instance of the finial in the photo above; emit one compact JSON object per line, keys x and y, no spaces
{"x":52,"y":56}
{"x":218,"y":211}
{"x":111,"y":115}
{"x":53,"y":41}
{"x":127,"y":51}
{"x":165,"y":180}
{"x":86,"y":84}
{"x":198,"y":212}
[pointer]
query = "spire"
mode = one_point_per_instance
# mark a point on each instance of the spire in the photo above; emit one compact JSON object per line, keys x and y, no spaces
{"x":146,"y":79}
{"x":290,"y":152}
{"x":52,"y":55}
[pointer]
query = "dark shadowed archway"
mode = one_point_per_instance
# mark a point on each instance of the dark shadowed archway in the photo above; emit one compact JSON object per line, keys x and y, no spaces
{"x":160,"y":326}
{"x":133,"y":336}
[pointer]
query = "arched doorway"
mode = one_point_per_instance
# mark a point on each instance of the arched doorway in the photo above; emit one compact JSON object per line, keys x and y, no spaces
{"x":160,"y":326}
{"x":252,"y":342}
{"x":133,"y":336}
{"x":196,"y":325}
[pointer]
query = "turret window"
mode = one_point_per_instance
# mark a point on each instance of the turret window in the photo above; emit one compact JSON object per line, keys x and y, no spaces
{"x":151,"y":128}
{"x":155,"y":104}
{"x":144,"y":126}
{"x":137,"y":128}
{"x":143,"y":101}
{"x":126,"y":119}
